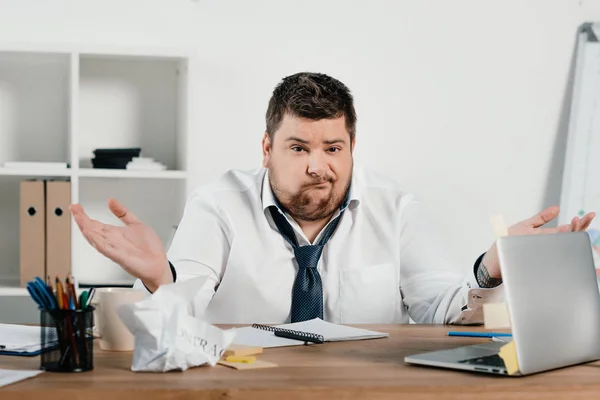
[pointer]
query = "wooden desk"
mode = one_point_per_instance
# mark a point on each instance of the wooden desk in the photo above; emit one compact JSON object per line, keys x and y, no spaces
{"x":364,"y":369}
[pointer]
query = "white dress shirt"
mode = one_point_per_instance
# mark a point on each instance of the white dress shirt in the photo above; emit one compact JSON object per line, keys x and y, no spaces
{"x":380,"y":266}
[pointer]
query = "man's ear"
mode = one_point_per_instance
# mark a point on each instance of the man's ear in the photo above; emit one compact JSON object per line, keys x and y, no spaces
{"x":352,"y":144}
{"x":266,"y":149}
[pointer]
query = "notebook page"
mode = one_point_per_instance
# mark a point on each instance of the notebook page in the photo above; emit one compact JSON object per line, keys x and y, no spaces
{"x":333,"y":332}
{"x":249,"y":336}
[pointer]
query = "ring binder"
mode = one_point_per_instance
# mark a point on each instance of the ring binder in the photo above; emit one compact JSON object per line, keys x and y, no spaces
{"x":292,"y":334}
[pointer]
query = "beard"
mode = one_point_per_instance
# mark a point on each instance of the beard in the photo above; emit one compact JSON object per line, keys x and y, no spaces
{"x":303,"y":205}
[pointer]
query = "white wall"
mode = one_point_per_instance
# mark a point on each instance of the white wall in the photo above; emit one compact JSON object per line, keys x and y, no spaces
{"x":463,"y":101}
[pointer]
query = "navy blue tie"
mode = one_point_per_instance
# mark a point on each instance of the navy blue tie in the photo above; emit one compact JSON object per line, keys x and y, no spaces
{"x":307,"y":292}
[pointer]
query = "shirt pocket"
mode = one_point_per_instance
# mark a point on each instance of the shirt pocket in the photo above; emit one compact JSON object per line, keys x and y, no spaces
{"x":369,"y":294}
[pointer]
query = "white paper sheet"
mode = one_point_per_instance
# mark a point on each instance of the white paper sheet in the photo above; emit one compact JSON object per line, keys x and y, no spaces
{"x":20,"y":338}
{"x":8,"y":376}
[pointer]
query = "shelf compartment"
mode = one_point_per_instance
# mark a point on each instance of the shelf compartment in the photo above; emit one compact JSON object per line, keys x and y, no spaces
{"x":130,"y":103}
{"x":34,"y":107}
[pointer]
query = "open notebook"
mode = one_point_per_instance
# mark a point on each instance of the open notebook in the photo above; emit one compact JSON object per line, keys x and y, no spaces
{"x":263,"y":336}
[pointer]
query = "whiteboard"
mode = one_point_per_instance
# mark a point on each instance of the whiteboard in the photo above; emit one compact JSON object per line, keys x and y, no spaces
{"x":581,"y":178}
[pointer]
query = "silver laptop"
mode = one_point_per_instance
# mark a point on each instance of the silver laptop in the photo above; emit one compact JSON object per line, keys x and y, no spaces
{"x":553,"y":302}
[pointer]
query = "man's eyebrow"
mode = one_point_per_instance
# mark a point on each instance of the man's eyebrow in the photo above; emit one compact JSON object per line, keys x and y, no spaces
{"x":334,"y":141}
{"x":296,"y":139}
{"x":331,"y":141}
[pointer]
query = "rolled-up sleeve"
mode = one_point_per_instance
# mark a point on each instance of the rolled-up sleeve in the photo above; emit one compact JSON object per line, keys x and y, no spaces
{"x":432,"y":288}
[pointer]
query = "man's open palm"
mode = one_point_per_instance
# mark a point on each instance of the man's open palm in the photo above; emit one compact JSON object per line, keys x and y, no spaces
{"x":533,"y":226}
{"x":134,"y":246}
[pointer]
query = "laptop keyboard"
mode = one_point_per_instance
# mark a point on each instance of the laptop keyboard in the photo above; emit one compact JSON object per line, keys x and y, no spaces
{"x":491,"y":361}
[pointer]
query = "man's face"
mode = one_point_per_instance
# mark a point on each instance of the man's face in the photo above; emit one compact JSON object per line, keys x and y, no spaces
{"x":310,"y":165}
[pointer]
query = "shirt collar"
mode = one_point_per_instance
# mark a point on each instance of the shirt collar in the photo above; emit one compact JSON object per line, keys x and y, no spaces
{"x":268,"y":198}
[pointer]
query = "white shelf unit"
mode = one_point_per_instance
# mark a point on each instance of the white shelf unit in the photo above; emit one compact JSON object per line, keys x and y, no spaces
{"x":59,"y":103}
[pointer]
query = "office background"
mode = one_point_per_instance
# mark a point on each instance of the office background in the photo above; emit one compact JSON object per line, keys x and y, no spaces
{"x":463,"y":102}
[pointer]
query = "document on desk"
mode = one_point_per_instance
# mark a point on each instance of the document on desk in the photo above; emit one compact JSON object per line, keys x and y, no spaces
{"x":20,"y":339}
{"x":251,"y":336}
{"x":8,"y":376}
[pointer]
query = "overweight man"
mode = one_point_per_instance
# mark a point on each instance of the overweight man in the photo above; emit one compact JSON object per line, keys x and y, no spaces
{"x":309,"y":234}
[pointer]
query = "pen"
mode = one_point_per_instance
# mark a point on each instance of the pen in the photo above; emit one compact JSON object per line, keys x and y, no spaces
{"x":480,"y":334}
{"x":83,"y":299}
{"x":303,"y":338}
{"x":90,"y":296}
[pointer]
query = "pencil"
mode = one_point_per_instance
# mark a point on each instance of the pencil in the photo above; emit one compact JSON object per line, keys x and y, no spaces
{"x":49,"y":283}
{"x":68,"y":329}
{"x":71,"y":288}
{"x":479,"y":334}
{"x":59,"y":294}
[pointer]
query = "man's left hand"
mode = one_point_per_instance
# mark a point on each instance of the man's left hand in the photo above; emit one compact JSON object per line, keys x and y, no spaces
{"x":533,"y":226}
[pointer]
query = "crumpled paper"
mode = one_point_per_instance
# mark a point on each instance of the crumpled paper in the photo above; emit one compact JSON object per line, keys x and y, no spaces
{"x":167,"y":335}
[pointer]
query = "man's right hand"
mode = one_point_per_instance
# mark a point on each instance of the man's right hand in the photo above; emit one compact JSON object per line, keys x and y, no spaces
{"x":135,"y":246}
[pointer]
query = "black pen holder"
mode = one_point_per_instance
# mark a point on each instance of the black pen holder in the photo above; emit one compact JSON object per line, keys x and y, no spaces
{"x":67,"y":340}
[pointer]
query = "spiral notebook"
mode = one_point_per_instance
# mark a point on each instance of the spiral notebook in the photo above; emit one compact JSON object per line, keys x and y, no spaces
{"x":311,"y":331}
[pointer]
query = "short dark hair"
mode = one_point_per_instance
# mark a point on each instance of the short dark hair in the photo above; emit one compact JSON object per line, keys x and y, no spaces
{"x":313,"y":96}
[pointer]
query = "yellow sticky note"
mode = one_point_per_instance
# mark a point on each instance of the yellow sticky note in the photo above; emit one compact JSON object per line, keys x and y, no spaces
{"x":495,"y":316}
{"x":508,"y":353}
{"x":240,"y":350}
{"x":499,"y":225}
{"x":241,"y":359}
